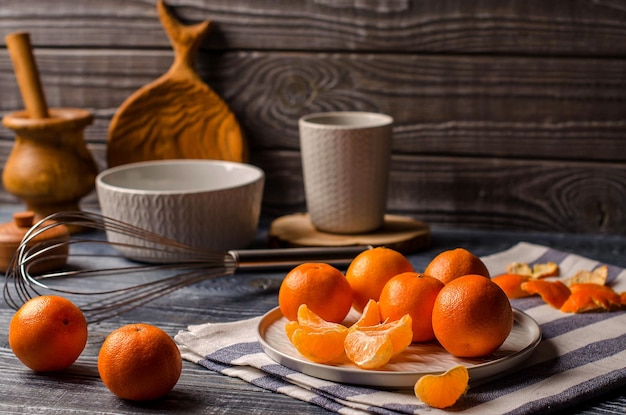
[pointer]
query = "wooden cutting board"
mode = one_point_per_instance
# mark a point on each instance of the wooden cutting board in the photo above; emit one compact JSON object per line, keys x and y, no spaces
{"x":177,"y":115}
{"x":401,"y":233}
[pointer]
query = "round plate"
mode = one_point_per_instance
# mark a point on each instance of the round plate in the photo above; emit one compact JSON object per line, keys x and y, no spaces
{"x":405,"y":369}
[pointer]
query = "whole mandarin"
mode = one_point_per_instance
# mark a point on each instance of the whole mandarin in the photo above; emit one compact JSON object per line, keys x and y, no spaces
{"x":370,"y":270}
{"x":322,"y":287}
{"x":48,"y":333}
{"x":455,"y":263}
{"x":472,"y":316}
{"x":139,"y":362}
{"x":414,"y":294}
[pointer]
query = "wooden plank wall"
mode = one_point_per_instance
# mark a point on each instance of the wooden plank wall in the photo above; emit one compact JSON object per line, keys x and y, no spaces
{"x":509,"y":114}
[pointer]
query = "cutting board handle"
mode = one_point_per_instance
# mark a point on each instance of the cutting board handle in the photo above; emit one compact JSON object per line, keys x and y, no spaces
{"x":185,"y":41}
{"x":27,"y":74}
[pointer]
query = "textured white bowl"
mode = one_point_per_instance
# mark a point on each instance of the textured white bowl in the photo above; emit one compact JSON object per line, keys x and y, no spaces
{"x":209,"y":204}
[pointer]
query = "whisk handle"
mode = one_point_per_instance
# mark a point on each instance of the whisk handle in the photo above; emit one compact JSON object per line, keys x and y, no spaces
{"x":260,"y":259}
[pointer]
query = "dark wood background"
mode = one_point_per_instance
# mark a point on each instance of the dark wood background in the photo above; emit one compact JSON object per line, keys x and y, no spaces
{"x":509,"y":114}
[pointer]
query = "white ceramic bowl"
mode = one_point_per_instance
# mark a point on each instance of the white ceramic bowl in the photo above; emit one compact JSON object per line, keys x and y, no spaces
{"x":208,"y":204}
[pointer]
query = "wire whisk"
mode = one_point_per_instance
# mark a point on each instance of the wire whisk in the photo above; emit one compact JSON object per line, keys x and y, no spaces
{"x":120,"y":266}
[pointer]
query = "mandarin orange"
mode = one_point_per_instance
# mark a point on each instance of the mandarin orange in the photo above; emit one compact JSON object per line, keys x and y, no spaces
{"x":472,"y":316}
{"x":370,"y":270}
{"x":455,"y":263}
{"x":139,"y":362}
{"x":322,"y":287}
{"x":48,"y":333}
{"x":414,"y":294}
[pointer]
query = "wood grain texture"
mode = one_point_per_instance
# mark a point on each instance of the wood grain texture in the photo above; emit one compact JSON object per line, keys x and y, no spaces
{"x":517,"y":107}
{"x":484,"y":193}
{"x":515,"y":111}
{"x":577,"y":27}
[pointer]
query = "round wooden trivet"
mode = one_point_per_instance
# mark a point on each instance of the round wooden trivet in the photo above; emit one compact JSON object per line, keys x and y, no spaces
{"x":401,"y":233}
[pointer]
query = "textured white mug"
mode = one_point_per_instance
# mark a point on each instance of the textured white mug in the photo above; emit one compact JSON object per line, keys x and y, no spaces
{"x":345,"y":163}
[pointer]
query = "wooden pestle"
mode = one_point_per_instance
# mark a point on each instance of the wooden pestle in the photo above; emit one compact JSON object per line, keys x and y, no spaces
{"x":27,"y":75}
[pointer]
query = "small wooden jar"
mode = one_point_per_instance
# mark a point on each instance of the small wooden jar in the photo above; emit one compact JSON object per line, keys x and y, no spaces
{"x":12,"y":233}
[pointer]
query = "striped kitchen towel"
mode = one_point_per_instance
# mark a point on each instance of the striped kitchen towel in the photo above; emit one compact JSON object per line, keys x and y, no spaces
{"x":580,"y":356}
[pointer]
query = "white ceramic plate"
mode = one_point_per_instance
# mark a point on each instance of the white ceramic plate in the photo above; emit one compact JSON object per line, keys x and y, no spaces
{"x":405,"y":369}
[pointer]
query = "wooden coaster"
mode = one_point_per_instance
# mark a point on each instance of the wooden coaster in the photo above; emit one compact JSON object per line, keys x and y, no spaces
{"x":401,"y":233}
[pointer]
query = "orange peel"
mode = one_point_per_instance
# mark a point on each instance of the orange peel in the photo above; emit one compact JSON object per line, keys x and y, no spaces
{"x":511,"y":284}
{"x":554,"y":293}
{"x":537,"y":271}
{"x":586,"y":297}
{"x":597,"y":276}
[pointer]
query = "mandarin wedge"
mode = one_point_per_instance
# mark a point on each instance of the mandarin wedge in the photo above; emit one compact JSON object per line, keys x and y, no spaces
{"x":443,"y":390}
{"x":373,"y":346}
{"x":317,"y":340}
{"x":370,"y":315}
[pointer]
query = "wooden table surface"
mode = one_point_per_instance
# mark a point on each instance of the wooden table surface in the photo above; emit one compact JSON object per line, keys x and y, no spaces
{"x":79,"y":389}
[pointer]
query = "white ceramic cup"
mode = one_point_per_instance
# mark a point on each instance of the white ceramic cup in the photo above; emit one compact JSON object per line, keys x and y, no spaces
{"x":345,"y":163}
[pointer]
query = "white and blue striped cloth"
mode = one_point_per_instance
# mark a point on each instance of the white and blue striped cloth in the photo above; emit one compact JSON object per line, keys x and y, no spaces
{"x":580,"y":356}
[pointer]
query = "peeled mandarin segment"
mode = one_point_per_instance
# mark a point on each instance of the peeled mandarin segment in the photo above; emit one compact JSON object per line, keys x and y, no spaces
{"x":591,"y":297}
{"x":319,"y":346}
{"x":370,"y":316}
{"x":373,"y":346}
{"x":444,"y":390}
{"x":317,"y":340}
{"x":368,"y":351}
{"x":309,"y":319}
{"x":554,"y":293}
{"x":290,"y":327}
{"x":399,"y":332}
{"x":511,"y":284}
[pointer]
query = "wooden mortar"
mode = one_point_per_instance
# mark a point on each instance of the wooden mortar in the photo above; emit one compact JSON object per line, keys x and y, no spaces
{"x":49,"y":167}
